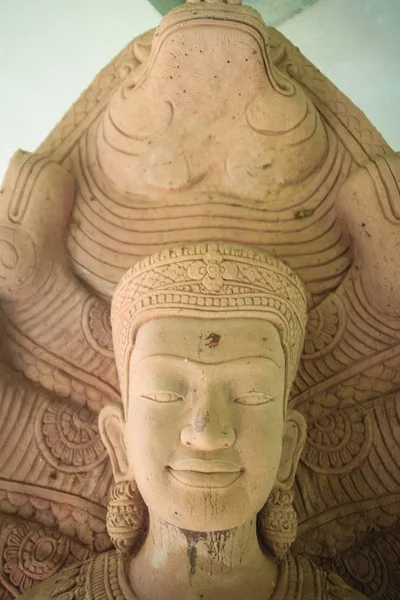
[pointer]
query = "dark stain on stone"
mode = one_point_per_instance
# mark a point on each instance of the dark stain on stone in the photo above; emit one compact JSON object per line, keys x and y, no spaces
{"x":201,"y":421}
{"x":193,"y":538}
{"x":212,"y":340}
{"x":304,"y":214}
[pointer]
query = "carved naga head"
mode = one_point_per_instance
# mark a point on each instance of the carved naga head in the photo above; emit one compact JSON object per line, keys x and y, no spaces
{"x":208,"y":112}
{"x":207,"y":341}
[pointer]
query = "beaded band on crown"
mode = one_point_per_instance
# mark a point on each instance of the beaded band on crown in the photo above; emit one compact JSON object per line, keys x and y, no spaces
{"x":209,"y":280}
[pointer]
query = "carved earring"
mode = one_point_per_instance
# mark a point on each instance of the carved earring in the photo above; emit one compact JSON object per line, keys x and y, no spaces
{"x":278,"y":522}
{"x":126,"y":516}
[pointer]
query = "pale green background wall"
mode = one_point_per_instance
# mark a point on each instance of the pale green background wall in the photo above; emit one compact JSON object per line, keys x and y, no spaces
{"x":50,"y":50}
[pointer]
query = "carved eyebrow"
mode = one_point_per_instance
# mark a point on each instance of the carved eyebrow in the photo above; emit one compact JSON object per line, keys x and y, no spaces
{"x":239,"y":360}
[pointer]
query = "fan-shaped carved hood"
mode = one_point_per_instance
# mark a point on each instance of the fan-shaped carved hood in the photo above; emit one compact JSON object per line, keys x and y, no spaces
{"x":208,"y":112}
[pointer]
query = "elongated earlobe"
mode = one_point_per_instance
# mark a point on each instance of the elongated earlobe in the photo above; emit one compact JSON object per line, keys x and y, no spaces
{"x":294,"y":437}
{"x":277,"y":520}
{"x":111,"y":427}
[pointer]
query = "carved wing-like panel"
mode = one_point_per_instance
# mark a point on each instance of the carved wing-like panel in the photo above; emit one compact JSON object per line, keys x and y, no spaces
{"x":348,"y":481}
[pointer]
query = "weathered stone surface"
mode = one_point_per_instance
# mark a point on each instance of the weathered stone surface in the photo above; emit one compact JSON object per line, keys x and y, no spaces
{"x":214,"y":127}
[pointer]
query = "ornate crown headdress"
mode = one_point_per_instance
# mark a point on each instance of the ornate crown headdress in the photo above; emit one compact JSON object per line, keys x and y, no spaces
{"x":209,"y":280}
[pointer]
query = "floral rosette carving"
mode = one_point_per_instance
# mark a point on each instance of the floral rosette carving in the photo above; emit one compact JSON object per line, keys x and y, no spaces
{"x":338,"y":439}
{"x":324,"y":329}
{"x":213,"y":271}
{"x":30,"y":556}
{"x":69,"y":438}
{"x":96,"y":325}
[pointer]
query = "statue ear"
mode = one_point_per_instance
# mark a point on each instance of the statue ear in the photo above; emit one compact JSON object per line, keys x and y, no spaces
{"x":294,"y":437}
{"x":111,"y":427}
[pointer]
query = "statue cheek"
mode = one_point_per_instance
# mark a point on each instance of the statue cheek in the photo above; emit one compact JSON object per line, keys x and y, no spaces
{"x":152,"y":431}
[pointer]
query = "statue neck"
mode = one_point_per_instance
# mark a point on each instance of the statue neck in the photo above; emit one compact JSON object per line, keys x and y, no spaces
{"x":180,"y":564}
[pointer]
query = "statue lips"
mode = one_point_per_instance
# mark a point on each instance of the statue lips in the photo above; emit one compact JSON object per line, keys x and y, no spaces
{"x":205,"y":474}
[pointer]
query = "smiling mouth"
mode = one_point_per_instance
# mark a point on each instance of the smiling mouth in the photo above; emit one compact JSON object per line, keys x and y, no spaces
{"x":202,"y":474}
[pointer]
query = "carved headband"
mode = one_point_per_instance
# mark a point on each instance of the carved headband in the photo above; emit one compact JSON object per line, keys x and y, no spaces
{"x":209,"y":280}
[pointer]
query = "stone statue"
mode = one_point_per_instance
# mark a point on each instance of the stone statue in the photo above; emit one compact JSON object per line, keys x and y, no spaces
{"x":211,"y":127}
{"x":207,"y":341}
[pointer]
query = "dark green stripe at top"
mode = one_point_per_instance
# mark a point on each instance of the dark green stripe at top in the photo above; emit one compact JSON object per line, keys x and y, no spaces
{"x":164,"y":6}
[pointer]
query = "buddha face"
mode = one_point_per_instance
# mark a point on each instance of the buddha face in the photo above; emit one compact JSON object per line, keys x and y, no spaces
{"x":204,"y":435}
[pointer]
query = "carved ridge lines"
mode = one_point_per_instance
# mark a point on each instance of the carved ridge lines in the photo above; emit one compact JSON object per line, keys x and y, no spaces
{"x":61,"y":497}
{"x":260,"y":226}
{"x":17,"y":414}
{"x":78,"y":243}
{"x":55,"y":307}
{"x":346,"y":510}
{"x":17,"y":207}
{"x":394,"y":419}
{"x":386,"y":325}
{"x":62,"y":318}
{"x":326,"y":182}
{"x":378,"y":469}
{"x":312,"y":369}
{"x":48,"y":357}
{"x":384,"y":449}
{"x":157,"y":211}
{"x":365,"y":364}
{"x":386,"y":187}
{"x":374,"y":484}
{"x":24,"y":185}
{"x":30,"y":313}
{"x":360,"y":347}
{"x":45,"y":291}
{"x":67,"y":131}
{"x":20,"y":431}
{"x":34,"y":469}
{"x":348,"y":490}
{"x":392,"y":183}
{"x":378,"y":475}
{"x":373,"y":335}
{"x":137,"y":208}
{"x":346,"y":135}
{"x":309,"y":184}
{"x":27,"y":464}
{"x":329,"y":96}
{"x":7,"y":397}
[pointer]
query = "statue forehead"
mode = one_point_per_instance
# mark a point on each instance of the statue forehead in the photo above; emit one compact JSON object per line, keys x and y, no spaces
{"x":209,"y":340}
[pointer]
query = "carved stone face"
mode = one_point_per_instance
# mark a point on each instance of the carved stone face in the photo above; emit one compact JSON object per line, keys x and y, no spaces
{"x":205,"y":421}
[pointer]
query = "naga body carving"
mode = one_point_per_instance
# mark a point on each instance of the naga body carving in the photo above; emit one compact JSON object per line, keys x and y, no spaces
{"x":211,"y":127}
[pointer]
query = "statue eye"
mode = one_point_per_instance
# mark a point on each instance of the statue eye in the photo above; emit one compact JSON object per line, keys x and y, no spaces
{"x":254,"y":399}
{"x":162,"y":397}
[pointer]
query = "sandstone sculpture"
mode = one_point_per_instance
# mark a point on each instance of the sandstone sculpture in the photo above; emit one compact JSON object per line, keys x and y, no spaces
{"x":207,"y":343}
{"x":212,"y":127}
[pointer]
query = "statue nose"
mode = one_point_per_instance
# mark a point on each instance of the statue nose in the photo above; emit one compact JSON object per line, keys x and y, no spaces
{"x":208,"y":431}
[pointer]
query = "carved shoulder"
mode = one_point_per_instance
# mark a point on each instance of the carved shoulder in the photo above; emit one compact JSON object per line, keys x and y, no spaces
{"x":368,"y":206}
{"x":99,"y":578}
{"x":301,"y":579}
{"x":43,"y":591}
{"x":69,"y":585}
